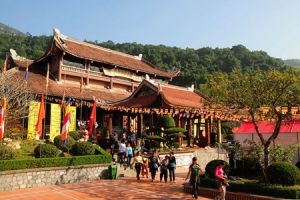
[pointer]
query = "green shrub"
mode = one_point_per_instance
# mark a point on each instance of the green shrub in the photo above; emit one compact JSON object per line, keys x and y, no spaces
{"x":298,"y":164}
{"x":53,"y":162}
{"x":99,"y":150}
{"x":83,"y":148}
{"x":283,"y":173}
{"x":255,"y":187}
{"x":76,"y":135}
{"x":64,"y":147}
{"x":156,"y":138}
{"x":211,"y":166}
{"x":6,"y":152}
{"x":249,"y":166}
{"x":176,"y":144}
{"x":46,"y":151}
{"x":166,"y":122}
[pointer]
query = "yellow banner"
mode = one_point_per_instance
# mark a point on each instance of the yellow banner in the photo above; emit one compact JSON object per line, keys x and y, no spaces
{"x":72,"y":125}
{"x":32,"y":119}
{"x":55,"y":120}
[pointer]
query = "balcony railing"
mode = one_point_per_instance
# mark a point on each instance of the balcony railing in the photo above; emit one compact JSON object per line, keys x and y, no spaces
{"x":73,"y":69}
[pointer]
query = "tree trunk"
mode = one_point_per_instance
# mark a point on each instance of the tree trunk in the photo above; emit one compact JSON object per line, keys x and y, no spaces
{"x":266,"y":156}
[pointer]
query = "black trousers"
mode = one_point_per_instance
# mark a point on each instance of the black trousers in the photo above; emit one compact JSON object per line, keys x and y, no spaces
{"x":153,"y":173}
{"x":122,"y":157}
{"x":164,"y":173}
{"x":172,"y":174}
{"x":138,"y":170}
{"x":195,"y":185}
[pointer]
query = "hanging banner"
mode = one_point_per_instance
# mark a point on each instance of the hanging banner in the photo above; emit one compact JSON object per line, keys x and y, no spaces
{"x":55,"y":120}
{"x":34,"y":107}
{"x":72,"y":125}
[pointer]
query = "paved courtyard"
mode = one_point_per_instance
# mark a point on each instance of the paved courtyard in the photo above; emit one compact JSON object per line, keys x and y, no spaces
{"x":125,"y":188}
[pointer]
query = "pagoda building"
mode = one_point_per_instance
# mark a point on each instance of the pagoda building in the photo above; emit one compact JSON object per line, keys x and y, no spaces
{"x":128,"y":89}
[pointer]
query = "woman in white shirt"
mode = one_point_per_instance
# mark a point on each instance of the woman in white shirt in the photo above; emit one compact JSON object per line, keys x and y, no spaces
{"x":122,"y":151}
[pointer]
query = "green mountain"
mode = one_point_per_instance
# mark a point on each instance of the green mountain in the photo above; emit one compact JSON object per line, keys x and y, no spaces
{"x":194,"y":64}
{"x":292,"y":62}
{"x":4,"y":29}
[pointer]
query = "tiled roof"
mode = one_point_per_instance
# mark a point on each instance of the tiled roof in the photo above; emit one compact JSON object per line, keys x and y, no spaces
{"x":96,"y":53}
{"x":36,"y":83}
{"x":173,"y":96}
{"x":181,"y":97}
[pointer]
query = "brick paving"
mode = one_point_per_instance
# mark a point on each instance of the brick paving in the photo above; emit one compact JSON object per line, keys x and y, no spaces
{"x":125,"y":188}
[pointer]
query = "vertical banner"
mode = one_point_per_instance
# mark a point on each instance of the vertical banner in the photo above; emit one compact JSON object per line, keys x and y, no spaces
{"x":32,"y":119}
{"x":55,"y":120}
{"x":72,"y":125}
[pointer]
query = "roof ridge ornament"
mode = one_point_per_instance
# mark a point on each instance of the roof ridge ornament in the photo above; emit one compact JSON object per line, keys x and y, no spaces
{"x":192,"y":88}
{"x":58,"y":34}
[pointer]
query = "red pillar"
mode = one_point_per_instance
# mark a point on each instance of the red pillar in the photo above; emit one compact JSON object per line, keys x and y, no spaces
{"x":179,"y":126}
{"x":110,"y":124}
{"x":207,"y":131}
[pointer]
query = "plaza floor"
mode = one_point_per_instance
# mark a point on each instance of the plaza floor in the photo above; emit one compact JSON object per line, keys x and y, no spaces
{"x":125,"y":188}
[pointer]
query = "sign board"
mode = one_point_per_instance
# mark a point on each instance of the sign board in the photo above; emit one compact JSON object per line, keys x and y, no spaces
{"x":55,"y":120}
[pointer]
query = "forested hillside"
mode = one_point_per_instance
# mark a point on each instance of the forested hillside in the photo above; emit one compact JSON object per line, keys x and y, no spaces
{"x":5,"y":29}
{"x":194,"y":64}
{"x":293,"y":62}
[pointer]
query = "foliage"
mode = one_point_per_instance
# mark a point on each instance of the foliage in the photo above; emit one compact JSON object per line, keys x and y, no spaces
{"x":99,"y":150}
{"x":83,"y":148}
{"x":248,"y":166}
{"x":165,"y":122}
{"x":298,"y":164}
{"x":156,"y":138}
{"x":255,"y":187}
{"x":176,"y":135}
{"x":6,"y":152}
{"x":46,"y":151}
{"x":64,"y":147}
{"x":283,"y":173}
{"x":54,"y":162}
{"x":76,"y":135}
{"x":211,"y":166}
{"x":247,"y":91}
{"x":281,"y":154}
{"x":176,"y":144}
{"x":175,"y":130}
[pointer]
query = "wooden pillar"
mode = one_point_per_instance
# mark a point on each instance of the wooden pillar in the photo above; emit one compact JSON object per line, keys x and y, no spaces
{"x":219,"y":125}
{"x":110,"y":124}
{"x":207,"y":133}
{"x":151,"y":123}
{"x":128,"y":123}
{"x":179,"y":126}
{"x":60,"y":62}
{"x":132,"y":87}
{"x":140,"y":124}
{"x":189,"y":132}
{"x":87,"y":63}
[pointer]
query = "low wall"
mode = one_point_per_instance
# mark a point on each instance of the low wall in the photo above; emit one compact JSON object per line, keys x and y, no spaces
{"x":204,"y":156}
{"x":28,"y":178}
{"x":212,"y":193}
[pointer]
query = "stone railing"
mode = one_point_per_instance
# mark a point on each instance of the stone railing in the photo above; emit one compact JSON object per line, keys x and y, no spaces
{"x":28,"y":178}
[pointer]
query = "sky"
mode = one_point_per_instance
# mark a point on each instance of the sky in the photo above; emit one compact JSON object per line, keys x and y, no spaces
{"x":269,"y":25}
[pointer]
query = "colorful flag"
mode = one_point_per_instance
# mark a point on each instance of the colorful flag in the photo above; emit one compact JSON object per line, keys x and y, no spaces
{"x":65,"y":128}
{"x":2,"y":117}
{"x":41,"y":116}
{"x":92,"y":118}
{"x":81,"y":84}
{"x":47,"y":78}
{"x":26,"y":74}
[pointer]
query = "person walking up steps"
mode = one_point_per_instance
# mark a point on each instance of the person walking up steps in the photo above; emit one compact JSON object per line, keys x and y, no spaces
{"x":172,"y":166}
{"x":153,"y":165}
{"x":164,"y":169}
{"x":129,"y":154}
{"x":194,"y":173}
{"x":137,"y":162}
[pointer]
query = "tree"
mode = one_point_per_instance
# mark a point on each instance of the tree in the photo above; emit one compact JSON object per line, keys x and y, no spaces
{"x":248,"y":91}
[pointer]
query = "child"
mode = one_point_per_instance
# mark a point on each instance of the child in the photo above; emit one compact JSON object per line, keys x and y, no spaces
{"x":145,"y":167}
{"x":129,"y":154}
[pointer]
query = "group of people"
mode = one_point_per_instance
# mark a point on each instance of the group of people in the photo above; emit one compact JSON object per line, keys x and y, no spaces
{"x":194,"y":174}
{"x":155,"y":164}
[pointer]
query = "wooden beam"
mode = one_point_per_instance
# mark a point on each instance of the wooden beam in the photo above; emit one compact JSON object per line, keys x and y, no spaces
{"x":219,"y":125}
{"x":87,"y":65}
{"x":60,"y":61}
{"x":110,"y":124}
